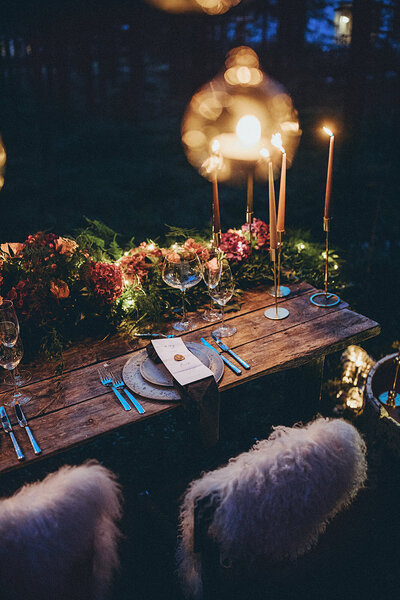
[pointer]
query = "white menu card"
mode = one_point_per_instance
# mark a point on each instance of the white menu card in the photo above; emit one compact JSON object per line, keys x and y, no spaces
{"x":184,"y":366}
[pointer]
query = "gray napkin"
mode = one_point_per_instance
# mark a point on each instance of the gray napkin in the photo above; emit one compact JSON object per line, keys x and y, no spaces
{"x":201,"y":398}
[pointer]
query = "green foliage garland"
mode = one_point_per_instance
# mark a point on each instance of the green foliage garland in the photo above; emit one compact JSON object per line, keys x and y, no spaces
{"x":66,"y":289}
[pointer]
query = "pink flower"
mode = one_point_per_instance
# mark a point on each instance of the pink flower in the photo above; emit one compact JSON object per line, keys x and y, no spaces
{"x":173,"y":256}
{"x":150,"y":249}
{"x":193,"y":246}
{"x":134,"y":266}
{"x":23,"y":295}
{"x":259,"y":231}
{"x":107,"y":281}
{"x":235,"y":245}
{"x":41,"y":239}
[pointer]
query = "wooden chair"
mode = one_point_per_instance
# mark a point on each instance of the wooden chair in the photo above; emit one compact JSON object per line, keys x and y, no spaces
{"x":58,"y":537}
{"x":267,"y":506}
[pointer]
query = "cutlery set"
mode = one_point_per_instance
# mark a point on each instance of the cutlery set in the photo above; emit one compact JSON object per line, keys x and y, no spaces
{"x":108,"y":379}
{"x":5,"y":421}
{"x":225,"y":348}
{"x":116,"y":384}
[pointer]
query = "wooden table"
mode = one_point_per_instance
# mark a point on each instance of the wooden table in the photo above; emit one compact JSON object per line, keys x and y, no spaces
{"x":69,"y":409}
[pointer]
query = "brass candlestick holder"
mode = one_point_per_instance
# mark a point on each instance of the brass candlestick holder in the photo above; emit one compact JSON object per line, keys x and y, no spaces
{"x":392,"y":398}
{"x":216,"y":239}
{"x":275,"y":312}
{"x":216,"y":221}
{"x":325,"y":299}
{"x":282,"y":290}
{"x":249,"y":208}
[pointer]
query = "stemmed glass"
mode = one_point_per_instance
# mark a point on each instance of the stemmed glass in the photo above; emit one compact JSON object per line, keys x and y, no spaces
{"x":181,"y":270}
{"x":8,"y":315}
{"x":210,"y":257}
{"x":221,"y":290}
{"x":11,"y":353}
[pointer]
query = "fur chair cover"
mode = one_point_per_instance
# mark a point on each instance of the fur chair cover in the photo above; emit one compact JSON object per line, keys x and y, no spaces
{"x":58,"y":537}
{"x":275,"y":500}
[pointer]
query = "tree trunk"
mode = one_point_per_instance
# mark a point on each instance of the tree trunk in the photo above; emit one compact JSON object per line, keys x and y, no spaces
{"x":359,"y":59}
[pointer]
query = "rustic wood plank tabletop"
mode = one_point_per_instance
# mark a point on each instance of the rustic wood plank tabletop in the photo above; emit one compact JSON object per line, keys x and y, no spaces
{"x":69,"y":409}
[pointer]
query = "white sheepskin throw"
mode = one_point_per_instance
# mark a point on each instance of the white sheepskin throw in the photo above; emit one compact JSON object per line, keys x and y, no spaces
{"x":58,"y":537}
{"x":275,"y":500}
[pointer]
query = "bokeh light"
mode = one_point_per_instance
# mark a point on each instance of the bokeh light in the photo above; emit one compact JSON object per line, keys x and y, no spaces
{"x":245,"y":111}
{"x":3,"y":158}
{"x":248,"y":130}
{"x":211,"y":7}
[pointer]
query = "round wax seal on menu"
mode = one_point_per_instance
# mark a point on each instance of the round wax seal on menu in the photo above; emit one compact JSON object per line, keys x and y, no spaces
{"x":179,"y":357}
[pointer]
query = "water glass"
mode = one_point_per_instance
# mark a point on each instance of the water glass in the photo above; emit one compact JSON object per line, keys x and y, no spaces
{"x":10,"y":357}
{"x":181,"y":270}
{"x":221,"y":292}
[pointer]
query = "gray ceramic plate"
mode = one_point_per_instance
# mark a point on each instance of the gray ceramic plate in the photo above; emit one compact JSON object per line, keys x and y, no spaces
{"x":159,"y":375}
{"x":135,"y":382}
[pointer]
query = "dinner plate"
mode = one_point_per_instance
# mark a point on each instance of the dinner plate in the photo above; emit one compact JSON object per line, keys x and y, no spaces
{"x":158,"y":374}
{"x":135,"y":382}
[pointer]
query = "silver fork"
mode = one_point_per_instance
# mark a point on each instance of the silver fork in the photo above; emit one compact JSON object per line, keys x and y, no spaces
{"x":107,"y":381}
{"x":120,"y":385}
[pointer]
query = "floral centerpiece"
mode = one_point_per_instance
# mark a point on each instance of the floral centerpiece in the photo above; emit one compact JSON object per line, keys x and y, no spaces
{"x":64,"y":289}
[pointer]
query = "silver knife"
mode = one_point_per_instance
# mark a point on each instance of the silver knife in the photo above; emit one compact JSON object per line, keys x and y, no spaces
{"x":24,"y":424}
{"x":226,"y":348}
{"x":226,"y":361}
{"x":5,"y":421}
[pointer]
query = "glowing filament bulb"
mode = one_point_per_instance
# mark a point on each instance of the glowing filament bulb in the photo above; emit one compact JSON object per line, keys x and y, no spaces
{"x":328,"y":131}
{"x":248,"y":130}
{"x":243,"y":74}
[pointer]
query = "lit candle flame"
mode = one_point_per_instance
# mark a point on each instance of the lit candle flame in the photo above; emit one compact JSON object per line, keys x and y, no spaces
{"x":212,"y":164}
{"x":328,"y":131}
{"x":276,"y":141}
{"x":248,"y":130}
{"x":264,"y":153}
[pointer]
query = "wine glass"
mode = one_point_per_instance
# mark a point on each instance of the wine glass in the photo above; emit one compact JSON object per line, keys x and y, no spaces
{"x":210,"y":259}
{"x":8,"y":333}
{"x":8,"y":315}
{"x":181,"y":270}
{"x":10,"y":357}
{"x":221,"y":290}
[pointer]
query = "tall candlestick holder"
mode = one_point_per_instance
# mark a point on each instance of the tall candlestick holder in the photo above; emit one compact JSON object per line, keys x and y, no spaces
{"x":282,"y":290}
{"x":392,"y":398}
{"x":216,"y":222}
{"x":276,"y":313}
{"x":249,"y":207}
{"x":325,"y":299}
{"x":216,"y":239}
